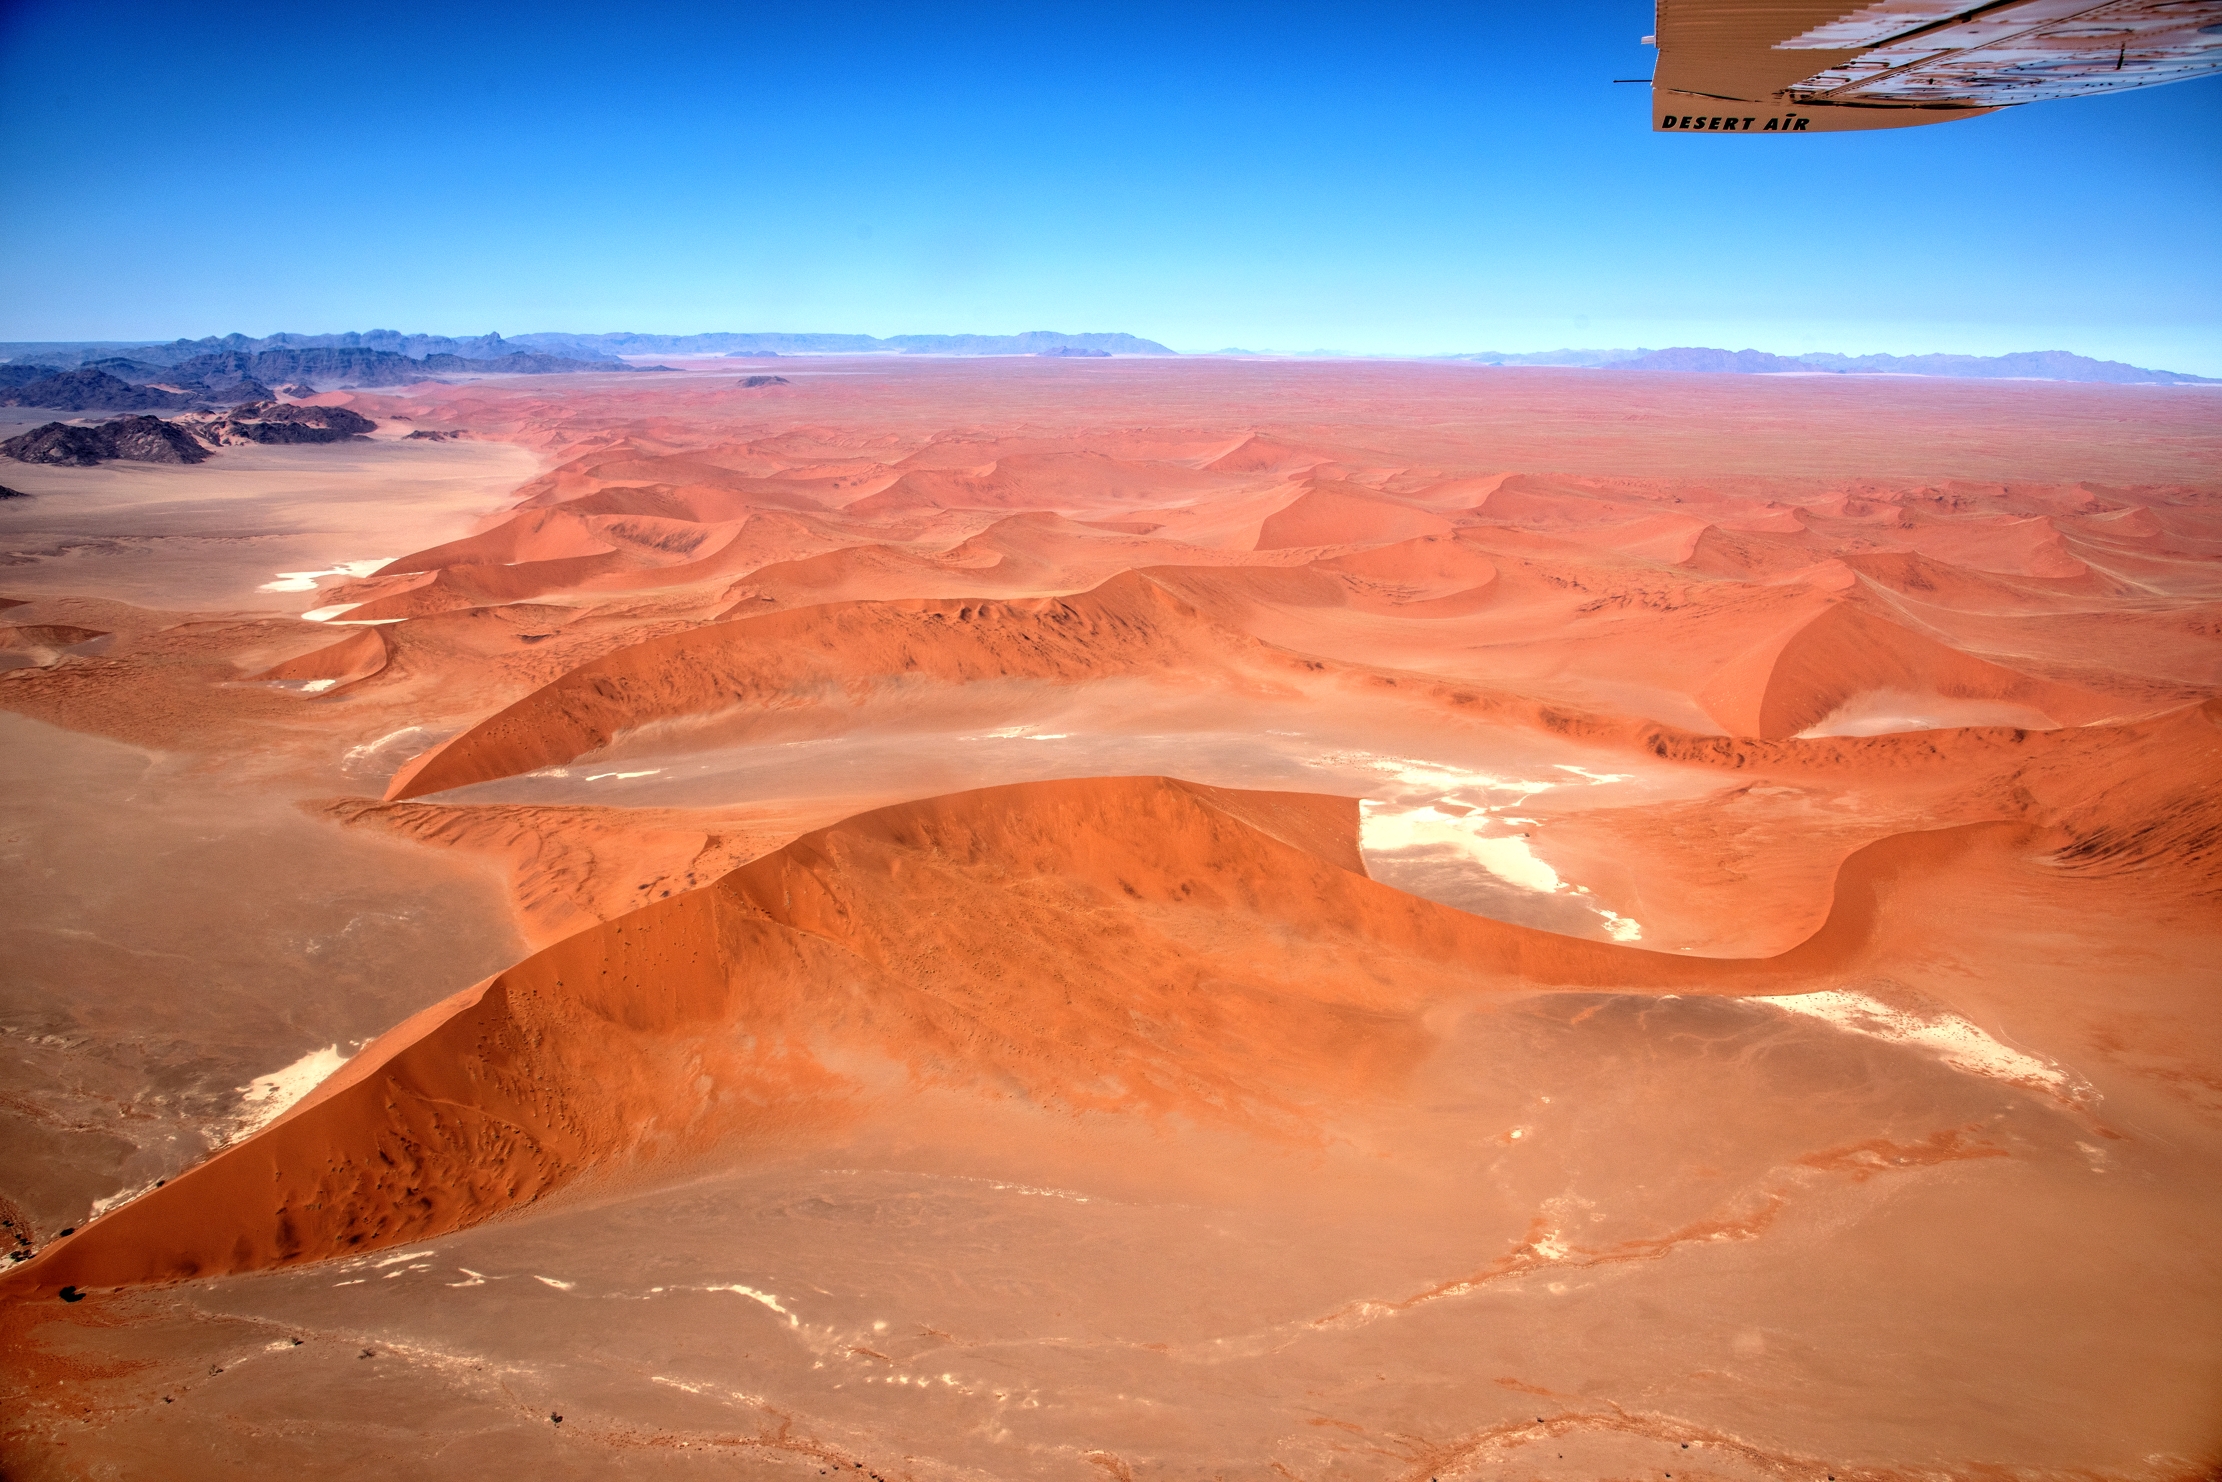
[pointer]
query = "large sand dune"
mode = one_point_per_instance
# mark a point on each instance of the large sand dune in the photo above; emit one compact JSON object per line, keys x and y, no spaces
{"x":1003,"y":919}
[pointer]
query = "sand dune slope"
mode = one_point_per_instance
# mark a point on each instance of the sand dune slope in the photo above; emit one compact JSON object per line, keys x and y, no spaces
{"x":1159,"y":949}
{"x":1128,"y":625}
{"x":1790,"y":682}
{"x":357,"y":656}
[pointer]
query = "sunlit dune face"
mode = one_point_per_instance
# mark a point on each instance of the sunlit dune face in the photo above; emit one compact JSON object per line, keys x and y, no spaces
{"x":1001,"y":918}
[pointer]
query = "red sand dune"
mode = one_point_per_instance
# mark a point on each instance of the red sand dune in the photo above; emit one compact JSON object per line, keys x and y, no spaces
{"x":621,"y":1052}
{"x":1328,"y":514}
{"x":1792,"y":681}
{"x":357,"y":656}
{"x":787,"y":659}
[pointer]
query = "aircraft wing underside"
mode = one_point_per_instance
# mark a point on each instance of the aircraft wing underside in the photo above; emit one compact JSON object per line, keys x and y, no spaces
{"x":1808,"y":66}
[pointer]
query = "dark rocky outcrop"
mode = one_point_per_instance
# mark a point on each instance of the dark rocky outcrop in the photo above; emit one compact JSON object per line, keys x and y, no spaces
{"x":8,"y":493}
{"x":124,"y":368}
{"x":244,"y":389}
{"x":59,"y":442}
{"x":63,"y":354}
{"x":334,"y":365}
{"x":130,"y":439}
{"x":328,"y":365}
{"x":277,"y":422}
{"x":427,"y":434}
{"x":751,"y":382}
{"x":89,"y":390}
{"x":152,"y":440}
{"x":21,"y":373}
{"x":121,"y":384}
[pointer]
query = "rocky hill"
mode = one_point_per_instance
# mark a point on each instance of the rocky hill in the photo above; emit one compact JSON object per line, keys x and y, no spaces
{"x":276,"y":422}
{"x":89,"y":390}
{"x":131,"y":439}
{"x":326,"y":366}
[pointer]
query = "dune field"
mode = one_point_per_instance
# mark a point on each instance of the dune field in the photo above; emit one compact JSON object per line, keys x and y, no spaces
{"x":1123,"y":919}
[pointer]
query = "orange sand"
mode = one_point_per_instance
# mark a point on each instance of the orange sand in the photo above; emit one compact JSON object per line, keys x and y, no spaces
{"x":1133,"y":919}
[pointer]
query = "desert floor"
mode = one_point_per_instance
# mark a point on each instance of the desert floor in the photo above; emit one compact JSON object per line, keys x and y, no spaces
{"x":1122,"y":919}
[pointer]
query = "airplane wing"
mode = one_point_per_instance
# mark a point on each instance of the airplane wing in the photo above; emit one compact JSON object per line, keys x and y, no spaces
{"x":1817,"y":66}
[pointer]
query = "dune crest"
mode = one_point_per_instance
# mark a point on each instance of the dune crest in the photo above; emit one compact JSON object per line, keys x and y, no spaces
{"x":1145,"y":923}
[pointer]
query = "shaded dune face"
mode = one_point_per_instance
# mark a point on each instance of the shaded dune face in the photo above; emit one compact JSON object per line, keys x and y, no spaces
{"x":1162,"y":950}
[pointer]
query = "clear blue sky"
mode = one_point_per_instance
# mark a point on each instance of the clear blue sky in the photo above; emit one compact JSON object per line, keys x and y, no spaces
{"x":1401,"y":179}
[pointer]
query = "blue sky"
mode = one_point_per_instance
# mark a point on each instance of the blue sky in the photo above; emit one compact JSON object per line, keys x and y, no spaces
{"x":1401,"y":180}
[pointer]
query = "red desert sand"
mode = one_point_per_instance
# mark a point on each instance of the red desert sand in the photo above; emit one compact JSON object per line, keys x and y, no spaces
{"x":1132,"y":919}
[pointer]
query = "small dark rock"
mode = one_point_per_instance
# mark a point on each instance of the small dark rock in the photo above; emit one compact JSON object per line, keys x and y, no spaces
{"x":754,"y":381}
{"x":8,"y":493}
{"x":71,"y":1294}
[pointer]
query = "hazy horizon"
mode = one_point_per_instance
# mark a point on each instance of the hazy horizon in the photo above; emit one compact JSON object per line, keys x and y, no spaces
{"x":1259,"y":351}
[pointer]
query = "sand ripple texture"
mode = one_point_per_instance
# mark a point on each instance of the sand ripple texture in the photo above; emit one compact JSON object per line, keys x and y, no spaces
{"x":1136,"y":919}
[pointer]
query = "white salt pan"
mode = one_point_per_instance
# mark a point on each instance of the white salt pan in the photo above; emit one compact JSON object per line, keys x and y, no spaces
{"x":1386,"y":828}
{"x":265,"y":1099}
{"x":306,"y":581}
{"x":756,"y":1296}
{"x":1947,"y":1036}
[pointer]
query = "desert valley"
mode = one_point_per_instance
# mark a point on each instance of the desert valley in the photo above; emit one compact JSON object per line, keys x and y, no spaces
{"x":1128,"y":918}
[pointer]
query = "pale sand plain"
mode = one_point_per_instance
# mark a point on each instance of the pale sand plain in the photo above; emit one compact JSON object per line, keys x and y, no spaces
{"x":1682,"y":942}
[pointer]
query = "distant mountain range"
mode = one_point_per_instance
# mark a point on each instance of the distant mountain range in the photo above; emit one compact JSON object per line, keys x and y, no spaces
{"x":63,"y":354}
{"x":135,"y":382}
{"x":237,"y":365}
{"x":2040,"y":365}
{"x":485,"y":350}
{"x":1033,"y":342}
{"x":80,"y":376}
